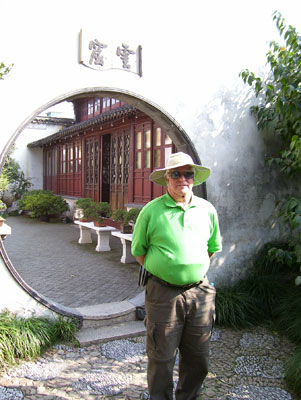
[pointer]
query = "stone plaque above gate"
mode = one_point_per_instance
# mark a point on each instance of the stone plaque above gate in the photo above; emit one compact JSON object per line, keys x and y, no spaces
{"x":101,"y":54}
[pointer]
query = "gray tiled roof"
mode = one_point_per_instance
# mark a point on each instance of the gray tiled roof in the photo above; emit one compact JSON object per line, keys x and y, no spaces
{"x":117,"y":113}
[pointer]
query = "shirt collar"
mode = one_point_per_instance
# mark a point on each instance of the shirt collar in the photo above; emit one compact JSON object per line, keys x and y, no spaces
{"x":169,"y":201}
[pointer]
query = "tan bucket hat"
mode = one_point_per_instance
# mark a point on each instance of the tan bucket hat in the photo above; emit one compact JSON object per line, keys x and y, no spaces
{"x":175,"y":160}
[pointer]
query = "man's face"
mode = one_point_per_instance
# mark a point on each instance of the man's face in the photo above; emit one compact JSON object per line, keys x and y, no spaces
{"x":181,"y":187}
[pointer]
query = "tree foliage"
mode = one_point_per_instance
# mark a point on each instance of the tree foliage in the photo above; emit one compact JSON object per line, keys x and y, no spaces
{"x":4,"y":70}
{"x":279,"y":111}
{"x":12,"y":178}
{"x":280,"y":96}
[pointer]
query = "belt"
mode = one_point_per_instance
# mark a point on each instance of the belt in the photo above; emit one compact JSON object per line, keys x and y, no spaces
{"x":184,"y":287}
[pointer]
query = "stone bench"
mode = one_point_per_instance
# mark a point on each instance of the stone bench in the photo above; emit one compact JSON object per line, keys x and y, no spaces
{"x":103,"y":235}
{"x":126,"y":240}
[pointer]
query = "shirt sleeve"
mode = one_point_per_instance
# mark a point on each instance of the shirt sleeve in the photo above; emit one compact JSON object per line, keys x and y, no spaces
{"x":215,"y":241}
{"x":139,"y":239}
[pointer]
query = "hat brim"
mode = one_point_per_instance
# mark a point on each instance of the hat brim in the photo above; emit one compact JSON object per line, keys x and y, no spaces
{"x":201,"y":174}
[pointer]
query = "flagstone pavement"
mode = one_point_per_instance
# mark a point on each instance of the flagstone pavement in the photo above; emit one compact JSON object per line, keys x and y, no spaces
{"x":50,"y":260}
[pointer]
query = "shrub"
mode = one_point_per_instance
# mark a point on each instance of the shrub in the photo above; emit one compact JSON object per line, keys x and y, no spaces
{"x":119,"y":215}
{"x":103,"y":209}
{"x":84,"y":203}
{"x":43,"y":203}
{"x":13,"y":179}
{"x":90,"y":212}
{"x":4,"y":183}
{"x":2,"y":206}
{"x":133,"y":215}
{"x":125,"y":217}
{"x":96,"y":211}
{"x":266,"y":263}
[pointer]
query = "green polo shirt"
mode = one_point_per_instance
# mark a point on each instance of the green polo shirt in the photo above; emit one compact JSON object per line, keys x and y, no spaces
{"x":176,"y":242}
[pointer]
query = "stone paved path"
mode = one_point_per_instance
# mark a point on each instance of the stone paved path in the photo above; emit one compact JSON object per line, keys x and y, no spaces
{"x":50,"y":260}
{"x":245,"y":365}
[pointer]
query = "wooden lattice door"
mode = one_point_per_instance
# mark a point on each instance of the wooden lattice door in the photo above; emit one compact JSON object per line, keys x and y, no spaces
{"x":92,"y":168}
{"x":120,"y":150}
{"x":105,"y":168}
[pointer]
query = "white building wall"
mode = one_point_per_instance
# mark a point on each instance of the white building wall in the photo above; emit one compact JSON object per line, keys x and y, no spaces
{"x":31,"y":159}
{"x":192,"y":55}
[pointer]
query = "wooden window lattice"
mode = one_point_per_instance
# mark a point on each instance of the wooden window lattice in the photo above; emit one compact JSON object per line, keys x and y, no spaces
{"x":126,"y":153}
{"x":113,"y":161}
{"x":92,"y":167}
{"x":119,"y":164}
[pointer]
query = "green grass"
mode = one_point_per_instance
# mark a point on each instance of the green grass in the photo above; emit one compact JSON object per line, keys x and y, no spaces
{"x":236,"y":309}
{"x":288,"y":314}
{"x":22,"y":338}
{"x":292,"y":372}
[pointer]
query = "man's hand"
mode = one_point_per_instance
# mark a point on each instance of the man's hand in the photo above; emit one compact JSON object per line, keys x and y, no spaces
{"x":140,"y":259}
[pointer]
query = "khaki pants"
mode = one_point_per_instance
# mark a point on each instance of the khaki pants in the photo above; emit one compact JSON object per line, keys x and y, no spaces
{"x":178,"y":319}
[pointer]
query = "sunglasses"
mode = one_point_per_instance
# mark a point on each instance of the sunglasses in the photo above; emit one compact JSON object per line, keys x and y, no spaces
{"x":178,"y":174}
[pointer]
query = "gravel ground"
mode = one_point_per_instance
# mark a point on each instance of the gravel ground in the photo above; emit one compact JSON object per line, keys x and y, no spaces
{"x":245,"y":365}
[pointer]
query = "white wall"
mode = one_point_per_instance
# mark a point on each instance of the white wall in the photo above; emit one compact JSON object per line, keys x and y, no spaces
{"x":31,"y":159}
{"x":192,"y":54}
{"x":15,"y":299}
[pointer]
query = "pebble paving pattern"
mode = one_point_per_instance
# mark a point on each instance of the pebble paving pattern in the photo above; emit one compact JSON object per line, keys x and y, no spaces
{"x":255,"y":393}
{"x":245,"y":365}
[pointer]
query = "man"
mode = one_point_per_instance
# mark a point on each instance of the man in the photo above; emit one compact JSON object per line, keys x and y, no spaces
{"x":174,"y":236}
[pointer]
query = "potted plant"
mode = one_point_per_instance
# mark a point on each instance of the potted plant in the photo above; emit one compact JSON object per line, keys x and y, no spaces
{"x":99,"y":221}
{"x":80,"y":206}
{"x":132,"y":216}
{"x":104,"y":209}
{"x":88,"y":213}
{"x":94,"y":213}
{"x":121,"y":215}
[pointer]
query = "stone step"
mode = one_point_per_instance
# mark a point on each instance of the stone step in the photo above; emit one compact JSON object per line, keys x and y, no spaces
{"x":103,"y":315}
{"x":102,"y":334}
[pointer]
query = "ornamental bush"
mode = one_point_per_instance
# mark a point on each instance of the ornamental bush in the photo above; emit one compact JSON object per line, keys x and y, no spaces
{"x":103,"y":209}
{"x":84,"y":202}
{"x":43,"y":203}
{"x":126,"y":217}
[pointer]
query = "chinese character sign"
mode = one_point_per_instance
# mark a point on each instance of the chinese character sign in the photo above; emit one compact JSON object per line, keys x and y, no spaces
{"x":99,"y":54}
{"x":96,"y":49}
{"x":124,"y":54}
